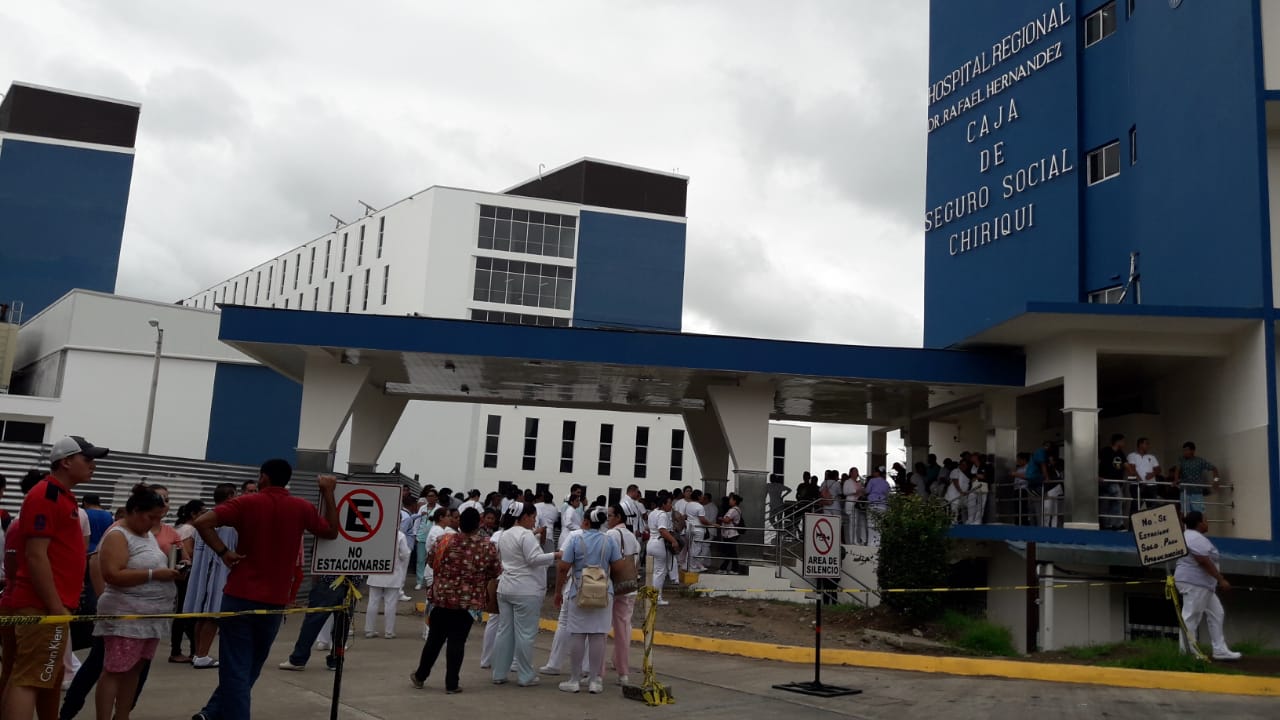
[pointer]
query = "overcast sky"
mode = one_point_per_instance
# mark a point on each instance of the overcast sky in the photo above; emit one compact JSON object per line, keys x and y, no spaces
{"x":800,"y":124}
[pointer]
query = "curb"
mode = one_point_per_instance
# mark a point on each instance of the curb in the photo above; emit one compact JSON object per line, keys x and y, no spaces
{"x":1010,"y":669}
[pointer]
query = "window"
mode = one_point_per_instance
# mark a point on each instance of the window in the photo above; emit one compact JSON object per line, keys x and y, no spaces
{"x":1107,"y":296}
{"x":286,"y":303}
{"x":224,"y":294}
{"x":498,"y":316}
{"x":315,"y":298}
{"x":257,"y":285}
{"x":360,"y":248}
{"x":330,"y":296}
{"x":1103,"y":163}
{"x":386,"y":277}
{"x":1100,"y":24}
{"x":16,"y":431}
{"x":605,"y":464}
{"x":780,"y":456}
{"x":515,"y":282}
{"x":235,"y":291}
{"x":530,"y":444}
{"x":311,"y":269}
{"x":297,"y":268}
{"x":567,"y":434}
{"x":382,"y":226}
{"x":270,"y":271}
{"x":347,"y":307}
{"x":642,"y":452}
{"x":364,"y":301}
{"x":677,"y":455}
{"x":491,"y":431}
{"x":342,"y":259}
{"x":300,"y":296}
{"x":327,"y":247}
{"x":284,"y":274}
{"x":1133,"y":145}
{"x":526,"y":231}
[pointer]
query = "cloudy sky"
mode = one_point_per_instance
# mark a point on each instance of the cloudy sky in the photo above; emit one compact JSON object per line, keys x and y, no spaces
{"x":800,"y":124}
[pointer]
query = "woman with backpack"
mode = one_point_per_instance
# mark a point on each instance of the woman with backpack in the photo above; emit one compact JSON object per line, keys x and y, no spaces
{"x":586,"y":567}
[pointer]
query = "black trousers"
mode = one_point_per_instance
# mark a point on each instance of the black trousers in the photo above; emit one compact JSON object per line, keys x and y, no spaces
{"x":447,"y":626}
{"x":730,"y":549}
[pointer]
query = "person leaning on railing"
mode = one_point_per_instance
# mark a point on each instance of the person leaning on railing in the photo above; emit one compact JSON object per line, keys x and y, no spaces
{"x":1196,"y":477}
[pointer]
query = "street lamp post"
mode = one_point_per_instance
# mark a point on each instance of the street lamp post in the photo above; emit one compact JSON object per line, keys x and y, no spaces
{"x":155,"y":380}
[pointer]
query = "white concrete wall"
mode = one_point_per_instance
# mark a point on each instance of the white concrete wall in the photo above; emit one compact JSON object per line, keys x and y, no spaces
{"x":949,"y":439}
{"x":1271,"y":43}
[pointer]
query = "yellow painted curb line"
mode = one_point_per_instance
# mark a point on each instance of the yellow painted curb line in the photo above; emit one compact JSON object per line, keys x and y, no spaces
{"x":1012,"y":669}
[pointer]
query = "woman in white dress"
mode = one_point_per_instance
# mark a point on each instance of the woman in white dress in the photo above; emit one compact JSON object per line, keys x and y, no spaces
{"x":587,"y":626}
{"x":138,"y":581}
{"x":661,"y":542}
{"x":385,"y":591}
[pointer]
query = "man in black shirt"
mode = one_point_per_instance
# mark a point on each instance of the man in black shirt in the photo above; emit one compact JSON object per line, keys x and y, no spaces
{"x":1113,"y":469}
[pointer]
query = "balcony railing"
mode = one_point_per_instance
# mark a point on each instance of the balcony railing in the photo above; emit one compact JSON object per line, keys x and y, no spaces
{"x":1117,"y":499}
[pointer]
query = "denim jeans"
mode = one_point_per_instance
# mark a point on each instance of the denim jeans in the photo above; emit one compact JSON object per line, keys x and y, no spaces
{"x":243,"y":648}
{"x":321,"y":595}
{"x":1113,"y":508}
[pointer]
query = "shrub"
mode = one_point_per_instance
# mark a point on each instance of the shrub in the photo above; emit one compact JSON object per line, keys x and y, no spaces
{"x":914,"y":549}
{"x":978,"y":636}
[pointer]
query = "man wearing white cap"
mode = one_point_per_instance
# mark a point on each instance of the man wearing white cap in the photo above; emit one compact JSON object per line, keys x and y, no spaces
{"x":46,"y":578}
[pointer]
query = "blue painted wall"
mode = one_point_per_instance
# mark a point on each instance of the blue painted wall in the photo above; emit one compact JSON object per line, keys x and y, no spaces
{"x":1192,"y":204}
{"x":62,"y":212}
{"x":254,"y":416}
{"x":1185,"y":78}
{"x":630,"y":272}
{"x":968,"y":290}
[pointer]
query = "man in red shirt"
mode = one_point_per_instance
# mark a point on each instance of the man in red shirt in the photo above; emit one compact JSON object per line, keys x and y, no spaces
{"x":44,"y":563}
{"x":270,"y":524}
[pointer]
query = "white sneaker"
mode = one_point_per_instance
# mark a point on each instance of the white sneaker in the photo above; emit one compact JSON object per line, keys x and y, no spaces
{"x":286,"y":665}
{"x":389,"y":636}
{"x":322,"y":645}
{"x":531,"y":683}
{"x":623,"y":680}
{"x":1228,"y":655}
{"x":548,"y":670}
{"x":570,"y":686}
{"x":596,"y":687}
{"x":663,"y":603}
{"x":418,"y":586}
{"x":371,"y":634}
{"x":404,"y":598}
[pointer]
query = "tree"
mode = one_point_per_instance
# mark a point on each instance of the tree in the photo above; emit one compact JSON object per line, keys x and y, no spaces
{"x":914,"y":548}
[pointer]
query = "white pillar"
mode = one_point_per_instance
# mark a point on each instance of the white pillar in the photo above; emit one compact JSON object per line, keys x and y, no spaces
{"x":1001,"y":416}
{"x":373,"y":419}
{"x":329,"y":389}
{"x":742,"y":412}
{"x":1080,"y":425}
{"x":877,"y":450}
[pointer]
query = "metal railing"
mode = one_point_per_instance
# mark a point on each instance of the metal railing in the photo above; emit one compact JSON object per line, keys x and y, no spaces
{"x":1022,"y":506}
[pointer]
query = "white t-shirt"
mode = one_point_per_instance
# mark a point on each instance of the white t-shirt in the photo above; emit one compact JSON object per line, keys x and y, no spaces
{"x":1143,"y":464}
{"x":695,"y":512}
{"x":635,"y":514}
{"x":679,"y":506}
{"x":850,"y":489}
{"x":547,"y":515}
{"x":474,"y":504}
{"x":1188,"y":570}
{"x":957,"y":477}
{"x":437,"y":532}
{"x":625,"y":540}
{"x":570,"y":519}
{"x":658,"y":520}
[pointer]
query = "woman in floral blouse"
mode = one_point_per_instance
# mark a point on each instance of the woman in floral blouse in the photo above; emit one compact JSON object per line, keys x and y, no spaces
{"x":464,"y":566}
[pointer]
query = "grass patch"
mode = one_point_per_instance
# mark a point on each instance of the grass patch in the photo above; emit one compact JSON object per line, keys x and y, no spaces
{"x":1091,"y":652}
{"x":978,"y":636}
{"x":1151,"y":654}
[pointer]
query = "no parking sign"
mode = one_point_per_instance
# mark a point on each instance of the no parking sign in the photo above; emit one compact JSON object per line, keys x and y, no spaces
{"x":368,"y":518}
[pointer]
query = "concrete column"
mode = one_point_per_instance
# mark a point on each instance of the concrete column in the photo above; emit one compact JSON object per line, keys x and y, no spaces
{"x":1080,"y":407}
{"x":1000,"y":412}
{"x":709,"y":446}
{"x":373,"y":419}
{"x":329,"y":390}
{"x":742,"y":412}
{"x":916,"y":437}
{"x":877,"y":450}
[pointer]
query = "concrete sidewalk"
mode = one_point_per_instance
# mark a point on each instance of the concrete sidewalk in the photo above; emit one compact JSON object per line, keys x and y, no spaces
{"x":710,"y":686}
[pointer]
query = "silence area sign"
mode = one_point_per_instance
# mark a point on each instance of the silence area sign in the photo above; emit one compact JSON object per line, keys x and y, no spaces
{"x":821,"y":546}
{"x":1158,"y":534}
{"x":368,"y":519}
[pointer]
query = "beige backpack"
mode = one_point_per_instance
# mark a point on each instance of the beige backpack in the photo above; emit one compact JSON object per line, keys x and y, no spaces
{"x":593,"y":588}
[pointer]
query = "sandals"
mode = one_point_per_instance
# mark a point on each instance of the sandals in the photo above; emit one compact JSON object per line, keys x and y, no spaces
{"x":181,"y":659}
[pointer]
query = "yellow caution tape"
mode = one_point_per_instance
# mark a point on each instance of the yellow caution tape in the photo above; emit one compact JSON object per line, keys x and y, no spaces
{"x":1171,"y":592}
{"x":62,"y":619}
{"x":981,"y":588}
{"x":655,"y":693}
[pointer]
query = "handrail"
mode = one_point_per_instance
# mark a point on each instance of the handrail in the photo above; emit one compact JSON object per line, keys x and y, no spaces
{"x":1038,"y":508}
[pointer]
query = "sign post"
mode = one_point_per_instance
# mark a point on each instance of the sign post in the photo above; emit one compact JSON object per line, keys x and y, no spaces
{"x":821,"y":563}
{"x":368,"y":521}
{"x":1158,"y":534}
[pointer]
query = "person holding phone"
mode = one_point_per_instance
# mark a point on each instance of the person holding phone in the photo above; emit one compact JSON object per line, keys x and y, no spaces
{"x":138,"y":581}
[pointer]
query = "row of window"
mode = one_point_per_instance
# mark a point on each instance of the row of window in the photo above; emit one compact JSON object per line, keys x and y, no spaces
{"x":327,"y":301}
{"x":262,"y":293}
{"x":514,"y":282}
{"x":510,"y":318}
{"x":604,"y":454}
{"x":526,"y":231}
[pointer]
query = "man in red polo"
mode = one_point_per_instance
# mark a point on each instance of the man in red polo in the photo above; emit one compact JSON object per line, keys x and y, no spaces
{"x":45,"y":562}
{"x":270,"y":524}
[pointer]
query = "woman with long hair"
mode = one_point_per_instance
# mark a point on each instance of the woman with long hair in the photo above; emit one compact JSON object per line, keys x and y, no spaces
{"x":138,"y":581}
